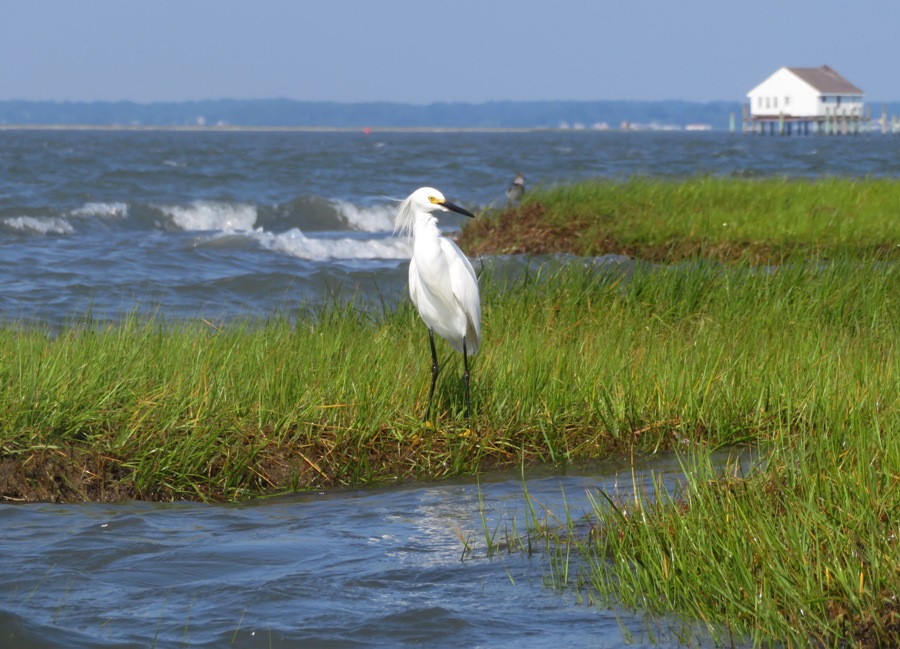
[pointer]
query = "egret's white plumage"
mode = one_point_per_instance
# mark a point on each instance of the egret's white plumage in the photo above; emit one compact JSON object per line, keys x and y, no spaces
{"x":442,"y":282}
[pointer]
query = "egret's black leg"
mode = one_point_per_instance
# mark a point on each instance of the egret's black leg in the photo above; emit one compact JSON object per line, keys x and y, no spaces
{"x":434,"y":373}
{"x":466,"y":379}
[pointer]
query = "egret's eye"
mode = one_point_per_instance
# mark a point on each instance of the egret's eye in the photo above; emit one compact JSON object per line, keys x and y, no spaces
{"x":433,"y":200}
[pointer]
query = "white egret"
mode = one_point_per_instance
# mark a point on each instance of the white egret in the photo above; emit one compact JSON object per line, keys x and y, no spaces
{"x":442,"y":282}
{"x":516,"y":189}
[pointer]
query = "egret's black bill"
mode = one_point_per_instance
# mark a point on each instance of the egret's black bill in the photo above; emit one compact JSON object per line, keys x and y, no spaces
{"x":456,"y":208}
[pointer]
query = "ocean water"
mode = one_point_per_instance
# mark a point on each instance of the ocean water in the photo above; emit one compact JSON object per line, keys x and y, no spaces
{"x":356,"y":568}
{"x":246,"y":224}
{"x":232,"y":224}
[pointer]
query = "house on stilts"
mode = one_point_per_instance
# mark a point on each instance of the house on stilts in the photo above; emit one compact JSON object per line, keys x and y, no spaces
{"x":805,"y":101}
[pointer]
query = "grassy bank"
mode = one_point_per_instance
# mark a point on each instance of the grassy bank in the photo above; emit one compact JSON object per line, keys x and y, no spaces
{"x":576,"y":364}
{"x":760,"y":220}
{"x":803,"y":361}
{"x":802,"y":550}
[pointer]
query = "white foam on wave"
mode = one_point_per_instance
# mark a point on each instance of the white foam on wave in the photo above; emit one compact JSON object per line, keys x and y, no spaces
{"x":212,"y":215}
{"x":101,"y":209}
{"x":40,"y":224}
{"x":379,"y":218}
{"x":295,"y":243}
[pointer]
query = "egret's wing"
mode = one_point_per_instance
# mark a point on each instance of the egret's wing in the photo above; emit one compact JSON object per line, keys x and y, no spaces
{"x":464,"y":285}
{"x":413,"y":283}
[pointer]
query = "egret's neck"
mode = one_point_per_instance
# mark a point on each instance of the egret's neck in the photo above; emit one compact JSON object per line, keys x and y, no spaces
{"x":426,"y":227}
{"x":427,"y":239}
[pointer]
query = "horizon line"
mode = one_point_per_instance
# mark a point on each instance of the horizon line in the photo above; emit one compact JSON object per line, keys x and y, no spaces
{"x":369,"y":101}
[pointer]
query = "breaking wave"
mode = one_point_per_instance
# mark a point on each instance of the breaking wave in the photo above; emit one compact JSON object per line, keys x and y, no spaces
{"x":308,"y":227}
{"x":297,"y":244}
{"x":318,"y":214}
{"x":209,"y":215}
{"x":63,"y":223}
{"x":39,"y":224}
{"x":101,"y":209}
{"x":379,"y":218}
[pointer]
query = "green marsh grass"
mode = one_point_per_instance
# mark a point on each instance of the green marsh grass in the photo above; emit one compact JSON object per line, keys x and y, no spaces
{"x":577,"y":363}
{"x":764,"y":220}
{"x":801,"y":549}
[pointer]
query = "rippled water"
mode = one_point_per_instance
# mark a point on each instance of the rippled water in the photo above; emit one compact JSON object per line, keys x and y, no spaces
{"x":369,"y":568}
{"x":248,"y":223}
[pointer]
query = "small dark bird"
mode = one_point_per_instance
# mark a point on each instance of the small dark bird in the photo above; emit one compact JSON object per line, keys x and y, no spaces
{"x":516,"y":189}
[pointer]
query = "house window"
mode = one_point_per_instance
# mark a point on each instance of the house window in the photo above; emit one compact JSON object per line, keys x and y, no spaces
{"x":787,"y":101}
{"x":767,"y":102}
{"x":774,"y":102}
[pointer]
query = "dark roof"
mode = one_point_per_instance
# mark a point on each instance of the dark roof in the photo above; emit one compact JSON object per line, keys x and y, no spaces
{"x":826,"y":81}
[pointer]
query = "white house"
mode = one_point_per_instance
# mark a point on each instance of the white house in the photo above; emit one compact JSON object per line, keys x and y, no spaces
{"x":805,"y":94}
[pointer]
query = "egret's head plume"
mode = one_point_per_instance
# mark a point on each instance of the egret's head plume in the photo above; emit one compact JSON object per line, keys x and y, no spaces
{"x":424,"y":200}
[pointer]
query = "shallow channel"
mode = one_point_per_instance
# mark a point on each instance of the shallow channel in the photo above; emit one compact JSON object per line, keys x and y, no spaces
{"x":347,"y":568}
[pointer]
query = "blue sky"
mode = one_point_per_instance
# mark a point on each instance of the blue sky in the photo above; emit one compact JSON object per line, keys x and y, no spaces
{"x":427,"y":51}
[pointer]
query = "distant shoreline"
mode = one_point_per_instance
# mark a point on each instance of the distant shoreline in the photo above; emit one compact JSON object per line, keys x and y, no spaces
{"x":368,"y":130}
{"x":278,"y":129}
{"x":280,"y":115}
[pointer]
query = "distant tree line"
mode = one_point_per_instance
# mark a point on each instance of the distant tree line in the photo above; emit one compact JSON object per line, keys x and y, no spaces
{"x":286,"y":113}
{"x":282,"y":112}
